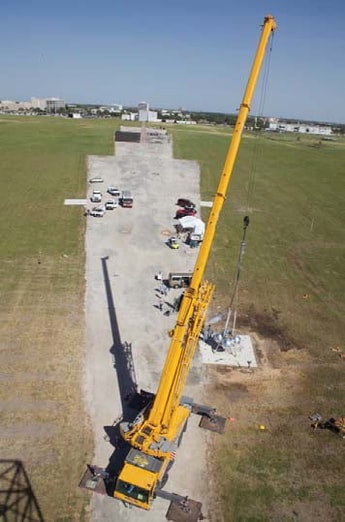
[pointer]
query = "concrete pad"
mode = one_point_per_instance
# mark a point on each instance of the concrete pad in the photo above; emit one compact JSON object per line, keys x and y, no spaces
{"x":239,"y":353}
{"x":75,"y":202}
{"x":124,"y":251}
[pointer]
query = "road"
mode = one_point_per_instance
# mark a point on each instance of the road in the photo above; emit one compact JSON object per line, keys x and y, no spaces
{"x":124,"y":251}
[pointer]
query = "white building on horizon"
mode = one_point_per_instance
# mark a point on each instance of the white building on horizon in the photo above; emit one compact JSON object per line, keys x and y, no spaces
{"x":277,"y":125}
{"x":145,"y":114}
{"x":54,"y":104}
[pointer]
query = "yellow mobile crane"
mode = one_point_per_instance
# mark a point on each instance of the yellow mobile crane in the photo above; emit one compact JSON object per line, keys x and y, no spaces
{"x":154,"y":435}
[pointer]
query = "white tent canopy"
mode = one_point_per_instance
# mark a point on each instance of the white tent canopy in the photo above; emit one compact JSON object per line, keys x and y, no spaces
{"x":193,"y":223}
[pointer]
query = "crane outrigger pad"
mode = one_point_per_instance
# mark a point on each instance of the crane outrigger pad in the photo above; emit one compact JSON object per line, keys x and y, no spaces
{"x":93,"y":480}
{"x":186,"y":510}
{"x":215,"y":423}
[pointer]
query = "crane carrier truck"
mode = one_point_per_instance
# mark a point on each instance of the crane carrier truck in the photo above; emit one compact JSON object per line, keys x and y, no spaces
{"x":153,"y":436}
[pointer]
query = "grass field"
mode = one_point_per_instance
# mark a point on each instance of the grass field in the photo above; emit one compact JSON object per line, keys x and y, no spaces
{"x":43,"y":421}
{"x":292,"y":298}
{"x":293,"y":192}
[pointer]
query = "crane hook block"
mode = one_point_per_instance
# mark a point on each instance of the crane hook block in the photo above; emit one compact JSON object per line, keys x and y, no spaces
{"x":245,"y":221}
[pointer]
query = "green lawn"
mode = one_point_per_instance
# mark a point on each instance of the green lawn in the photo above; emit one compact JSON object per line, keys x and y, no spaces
{"x":42,"y":163}
{"x":43,"y":420}
{"x":293,"y":192}
{"x":293,"y":291}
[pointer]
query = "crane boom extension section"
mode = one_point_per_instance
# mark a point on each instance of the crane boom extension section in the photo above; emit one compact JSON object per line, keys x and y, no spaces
{"x":154,"y":435}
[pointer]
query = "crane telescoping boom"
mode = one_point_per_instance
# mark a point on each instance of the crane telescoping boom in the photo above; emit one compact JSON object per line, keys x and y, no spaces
{"x":157,"y":431}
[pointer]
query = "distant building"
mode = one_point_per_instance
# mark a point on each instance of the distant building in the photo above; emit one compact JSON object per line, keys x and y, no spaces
{"x":116,"y":107}
{"x":143,"y":106}
{"x":145,"y":114}
{"x":277,"y":125}
{"x":129,"y":116}
{"x":54,"y":104}
{"x":39,"y":103}
{"x":148,"y":115}
{"x":14,"y":106}
{"x":111,"y":109}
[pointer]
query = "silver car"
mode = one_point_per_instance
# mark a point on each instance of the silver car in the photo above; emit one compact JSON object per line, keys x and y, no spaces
{"x":113,"y":191}
{"x":97,"y":212}
{"x":111,"y":204}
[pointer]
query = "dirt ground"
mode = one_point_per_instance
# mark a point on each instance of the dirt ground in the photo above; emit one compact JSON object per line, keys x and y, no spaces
{"x":247,"y":398}
{"x":124,"y":251}
{"x":269,"y":447}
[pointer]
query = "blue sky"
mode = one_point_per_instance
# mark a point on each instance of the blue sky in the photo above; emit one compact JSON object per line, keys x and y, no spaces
{"x":194,"y":54}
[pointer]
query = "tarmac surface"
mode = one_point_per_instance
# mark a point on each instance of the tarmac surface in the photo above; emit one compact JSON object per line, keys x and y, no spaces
{"x":126,"y":333}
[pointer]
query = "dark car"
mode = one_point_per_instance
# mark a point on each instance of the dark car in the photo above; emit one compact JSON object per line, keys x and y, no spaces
{"x":181,"y":212}
{"x":183,"y":202}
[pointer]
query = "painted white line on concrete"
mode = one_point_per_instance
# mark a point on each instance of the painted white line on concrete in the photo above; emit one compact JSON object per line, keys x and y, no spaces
{"x":75,"y":202}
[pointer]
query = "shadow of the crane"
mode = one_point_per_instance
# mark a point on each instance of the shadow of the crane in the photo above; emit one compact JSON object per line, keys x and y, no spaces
{"x":17,"y":499}
{"x":121,"y":352}
{"x":131,"y":401}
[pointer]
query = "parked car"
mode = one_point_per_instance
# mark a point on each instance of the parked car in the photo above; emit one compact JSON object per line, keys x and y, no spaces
{"x":172,"y":243}
{"x":111,"y":204}
{"x":96,"y":196}
{"x":113,"y":191}
{"x":183,"y":202}
{"x":181,"y":212}
{"x":97,"y":211}
{"x":126,"y":199}
{"x":96,"y":180}
{"x":179,"y":279}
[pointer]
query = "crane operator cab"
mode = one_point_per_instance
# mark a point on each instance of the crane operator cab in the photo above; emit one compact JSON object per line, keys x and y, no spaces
{"x":138,"y":478}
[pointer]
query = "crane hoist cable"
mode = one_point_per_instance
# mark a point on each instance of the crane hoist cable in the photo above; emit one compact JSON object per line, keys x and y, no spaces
{"x":253,"y":169}
{"x":234,"y":295}
{"x":233,"y":305}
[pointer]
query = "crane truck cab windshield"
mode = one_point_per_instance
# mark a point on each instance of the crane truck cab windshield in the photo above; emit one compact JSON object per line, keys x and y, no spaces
{"x":133,"y":492}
